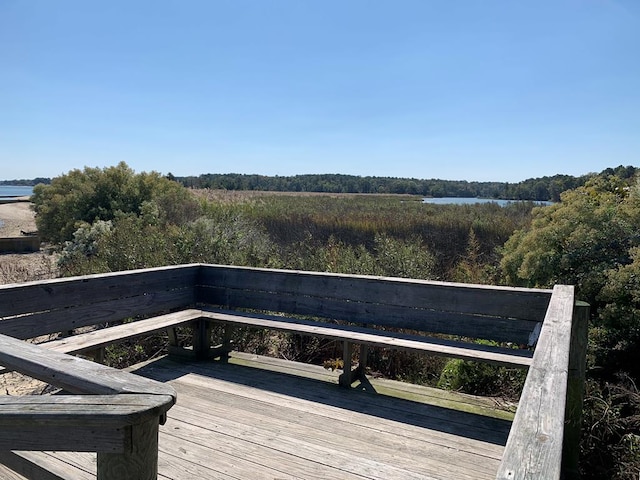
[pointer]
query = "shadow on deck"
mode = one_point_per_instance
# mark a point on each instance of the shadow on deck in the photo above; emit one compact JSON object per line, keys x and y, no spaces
{"x":242,"y":421}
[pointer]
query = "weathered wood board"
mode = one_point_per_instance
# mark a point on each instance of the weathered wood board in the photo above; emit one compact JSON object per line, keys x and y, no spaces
{"x":242,"y":422}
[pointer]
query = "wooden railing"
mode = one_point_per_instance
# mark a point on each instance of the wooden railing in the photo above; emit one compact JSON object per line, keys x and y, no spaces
{"x":550,"y":405}
{"x":548,"y":414}
{"x":111,"y":412}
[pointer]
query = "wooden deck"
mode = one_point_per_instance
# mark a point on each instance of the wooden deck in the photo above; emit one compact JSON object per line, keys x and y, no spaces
{"x":259,"y":418}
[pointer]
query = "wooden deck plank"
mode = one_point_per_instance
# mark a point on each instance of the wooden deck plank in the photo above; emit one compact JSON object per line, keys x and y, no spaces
{"x":292,"y":449}
{"x":442,"y":429}
{"x":46,"y":466}
{"x":8,"y":474}
{"x":489,"y":406}
{"x":444,"y":422}
{"x":248,"y":453}
{"x":238,"y":422}
{"x":182,"y":458}
{"x":358,"y":410}
{"x":360,"y":441}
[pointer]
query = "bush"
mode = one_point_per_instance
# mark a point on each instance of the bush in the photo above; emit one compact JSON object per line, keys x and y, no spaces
{"x":610,"y":446}
{"x":482,"y":379}
{"x":84,"y":197}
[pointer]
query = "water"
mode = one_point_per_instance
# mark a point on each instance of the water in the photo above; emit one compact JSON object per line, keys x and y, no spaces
{"x":15,"y":191}
{"x":472,"y":201}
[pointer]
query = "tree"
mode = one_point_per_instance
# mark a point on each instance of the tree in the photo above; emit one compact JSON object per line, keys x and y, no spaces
{"x":576,"y":241}
{"x":83,"y":197}
{"x":591,"y":239}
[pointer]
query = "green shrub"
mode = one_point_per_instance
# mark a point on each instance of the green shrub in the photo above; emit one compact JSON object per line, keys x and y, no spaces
{"x":610,"y":446}
{"x":479,"y":378}
{"x":86,"y":196}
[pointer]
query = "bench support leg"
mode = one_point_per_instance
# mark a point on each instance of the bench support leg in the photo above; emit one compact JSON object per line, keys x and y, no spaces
{"x":202,"y":339}
{"x":227,"y":343}
{"x":98,"y":355}
{"x":173,"y":337}
{"x":222,"y":351}
{"x":139,"y":462}
{"x":346,"y":379}
{"x":350,"y":375}
{"x":362,"y":363}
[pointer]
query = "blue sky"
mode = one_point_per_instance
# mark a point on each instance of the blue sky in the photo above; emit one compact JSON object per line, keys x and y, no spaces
{"x":468,"y":90}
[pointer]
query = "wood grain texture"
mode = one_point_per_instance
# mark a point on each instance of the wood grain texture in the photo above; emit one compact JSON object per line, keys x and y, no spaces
{"x":79,"y":410}
{"x":376,"y":338}
{"x":119,"y":420}
{"x":315,"y":430}
{"x":140,"y":463}
{"x":43,"y":323}
{"x":73,"y":374}
{"x":456,"y":297}
{"x":501,"y":314}
{"x":107,"y":336}
{"x":7,"y":474}
{"x":45,"y":295}
{"x":42,"y":466}
{"x":575,"y":391}
{"x":534,"y":447}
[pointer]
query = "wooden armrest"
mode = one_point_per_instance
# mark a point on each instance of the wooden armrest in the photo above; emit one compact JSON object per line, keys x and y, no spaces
{"x":74,"y":374}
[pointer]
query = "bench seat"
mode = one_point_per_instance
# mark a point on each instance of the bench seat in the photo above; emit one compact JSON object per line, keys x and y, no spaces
{"x":349,"y":334}
{"x":511,"y":357}
{"x":378,"y":338}
{"x":105,"y":336}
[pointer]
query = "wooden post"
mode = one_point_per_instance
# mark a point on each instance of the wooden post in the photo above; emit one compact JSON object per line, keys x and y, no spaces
{"x":362,"y":361}
{"x":98,"y":355}
{"x":345,"y":378}
{"x":173,"y":337}
{"x":575,"y":391}
{"x":140,"y":462}
{"x":227,"y":344}
{"x":202,"y":339}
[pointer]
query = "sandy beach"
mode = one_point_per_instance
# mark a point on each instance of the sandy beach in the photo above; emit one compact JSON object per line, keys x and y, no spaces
{"x":16,"y":216}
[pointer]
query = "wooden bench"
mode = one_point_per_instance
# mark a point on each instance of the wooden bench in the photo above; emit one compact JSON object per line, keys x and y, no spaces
{"x":430,"y":317}
{"x":369,"y":337}
{"x":381,"y":312}
{"x":356,"y":310}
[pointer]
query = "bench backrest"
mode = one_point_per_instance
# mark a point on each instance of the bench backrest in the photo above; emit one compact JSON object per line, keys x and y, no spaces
{"x":502,"y":314}
{"x":33,"y":309}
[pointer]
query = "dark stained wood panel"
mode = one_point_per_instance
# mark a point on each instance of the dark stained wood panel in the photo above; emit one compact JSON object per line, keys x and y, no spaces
{"x":522,"y":303}
{"x":55,"y":294}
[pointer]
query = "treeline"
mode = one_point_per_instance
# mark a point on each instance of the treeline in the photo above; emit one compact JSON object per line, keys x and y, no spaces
{"x":534,"y":189}
{"x":26,"y":182}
